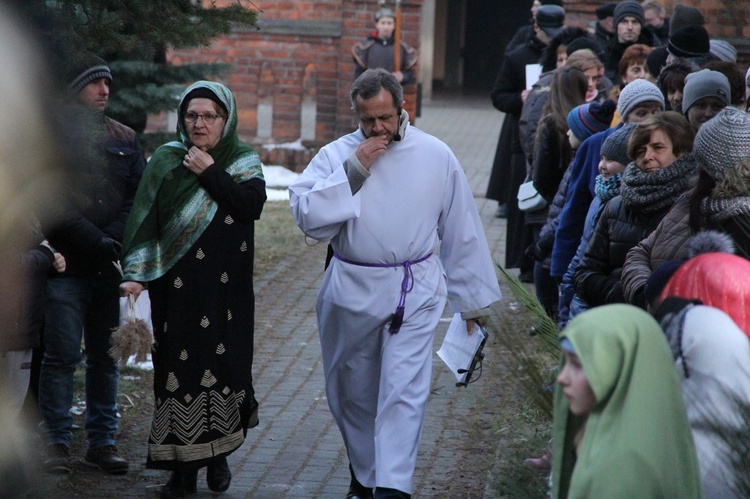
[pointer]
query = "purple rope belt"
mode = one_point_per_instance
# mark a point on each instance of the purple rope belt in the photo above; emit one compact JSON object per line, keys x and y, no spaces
{"x":407,"y":284}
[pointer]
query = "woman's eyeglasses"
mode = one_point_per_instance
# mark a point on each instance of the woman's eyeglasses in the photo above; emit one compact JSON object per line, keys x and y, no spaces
{"x":208,"y":119}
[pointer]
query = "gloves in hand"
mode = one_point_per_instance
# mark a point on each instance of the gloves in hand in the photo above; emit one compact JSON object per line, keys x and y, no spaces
{"x":108,"y":248}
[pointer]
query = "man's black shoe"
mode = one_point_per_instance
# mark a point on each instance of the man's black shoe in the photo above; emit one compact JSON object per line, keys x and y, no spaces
{"x":106,"y":459}
{"x":356,"y":489}
{"x":57,"y":459}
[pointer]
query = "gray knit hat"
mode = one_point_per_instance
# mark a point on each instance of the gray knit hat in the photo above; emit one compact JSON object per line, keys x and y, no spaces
{"x":628,"y":8}
{"x":637,"y":92}
{"x":723,"y":50}
{"x":88,"y":69}
{"x":723,"y":141}
{"x":616,"y":145}
{"x":705,"y":83}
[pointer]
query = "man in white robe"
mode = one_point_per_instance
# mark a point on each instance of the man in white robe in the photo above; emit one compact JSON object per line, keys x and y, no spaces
{"x":386,"y":197}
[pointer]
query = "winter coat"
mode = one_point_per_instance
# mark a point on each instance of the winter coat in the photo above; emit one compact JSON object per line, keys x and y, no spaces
{"x":602,"y":35}
{"x":581,"y":190}
{"x":21,"y":332}
{"x":711,"y":354}
{"x":547,"y":234}
{"x":570,"y":303}
{"x":667,"y":243}
{"x":374,"y":52}
{"x":597,"y":279}
{"x":90,"y":221}
{"x":521,"y":36}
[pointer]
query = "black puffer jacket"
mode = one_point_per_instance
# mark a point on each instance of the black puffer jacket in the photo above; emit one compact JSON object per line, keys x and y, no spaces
{"x":597,"y":279}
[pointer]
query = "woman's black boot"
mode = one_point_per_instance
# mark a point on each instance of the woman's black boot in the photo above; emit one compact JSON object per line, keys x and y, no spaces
{"x":180,"y":484}
{"x":218,"y":475}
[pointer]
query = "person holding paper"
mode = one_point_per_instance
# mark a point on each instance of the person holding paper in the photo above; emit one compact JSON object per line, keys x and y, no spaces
{"x":509,"y":167}
{"x":387,"y":196}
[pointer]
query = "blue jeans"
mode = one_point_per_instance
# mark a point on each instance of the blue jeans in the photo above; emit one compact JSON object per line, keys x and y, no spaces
{"x":88,"y":307}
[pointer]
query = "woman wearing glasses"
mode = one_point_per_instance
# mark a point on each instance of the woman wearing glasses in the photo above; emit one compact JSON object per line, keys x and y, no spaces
{"x":190,"y":238}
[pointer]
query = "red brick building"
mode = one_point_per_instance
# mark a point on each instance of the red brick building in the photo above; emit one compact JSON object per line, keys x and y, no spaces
{"x":292,"y":75}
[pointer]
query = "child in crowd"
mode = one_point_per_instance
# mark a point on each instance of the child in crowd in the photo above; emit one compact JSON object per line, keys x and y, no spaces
{"x":620,"y":426}
{"x":613,"y":161}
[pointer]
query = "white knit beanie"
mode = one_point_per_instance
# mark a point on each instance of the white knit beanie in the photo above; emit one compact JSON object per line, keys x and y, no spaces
{"x":637,"y":92}
{"x":723,"y":141}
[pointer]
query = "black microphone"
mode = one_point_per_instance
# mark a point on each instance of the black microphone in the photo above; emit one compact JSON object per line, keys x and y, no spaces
{"x":397,"y":137}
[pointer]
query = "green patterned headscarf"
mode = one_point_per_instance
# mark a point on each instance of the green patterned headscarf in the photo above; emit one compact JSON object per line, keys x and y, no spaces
{"x":171,"y":209}
{"x":637,"y":440}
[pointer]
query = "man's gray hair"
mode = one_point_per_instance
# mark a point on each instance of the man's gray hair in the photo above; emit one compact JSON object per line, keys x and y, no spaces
{"x":369,"y":84}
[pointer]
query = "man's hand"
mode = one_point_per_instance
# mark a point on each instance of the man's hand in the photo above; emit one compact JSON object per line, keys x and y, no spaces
{"x":399,"y":76}
{"x":524,"y":94}
{"x":371,"y":149}
{"x":59,"y":263}
{"x":470,"y":323}
{"x":197,"y":160}
{"x":128,"y":288}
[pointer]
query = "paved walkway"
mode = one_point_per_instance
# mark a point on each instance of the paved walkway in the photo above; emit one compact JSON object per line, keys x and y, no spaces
{"x":297,"y":450}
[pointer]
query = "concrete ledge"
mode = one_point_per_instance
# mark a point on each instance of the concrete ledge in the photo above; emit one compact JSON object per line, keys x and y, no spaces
{"x":296,"y":27}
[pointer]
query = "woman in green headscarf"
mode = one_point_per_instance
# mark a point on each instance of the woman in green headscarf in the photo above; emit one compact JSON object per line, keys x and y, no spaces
{"x":620,"y":427}
{"x":190,"y":237}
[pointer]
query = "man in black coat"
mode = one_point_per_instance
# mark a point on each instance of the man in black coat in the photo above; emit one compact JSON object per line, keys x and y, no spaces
{"x":508,"y":95}
{"x":628,"y":21}
{"x":84,"y":300}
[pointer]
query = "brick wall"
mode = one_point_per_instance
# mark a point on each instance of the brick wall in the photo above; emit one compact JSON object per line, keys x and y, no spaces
{"x":297,"y":62}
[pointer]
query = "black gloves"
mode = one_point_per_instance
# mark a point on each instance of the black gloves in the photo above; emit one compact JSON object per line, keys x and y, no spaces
{"x":108,"y":248}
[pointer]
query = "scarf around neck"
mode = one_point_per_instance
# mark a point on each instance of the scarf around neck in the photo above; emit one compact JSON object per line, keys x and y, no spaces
{"x":608,"y":188}
{"x":720,"y":209}
{"x":653,"y":192}
{"x":156,"y":238}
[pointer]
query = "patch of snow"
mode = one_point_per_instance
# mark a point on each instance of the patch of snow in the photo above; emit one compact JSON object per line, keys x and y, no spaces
{"x":278,"y":179}
{"x":297,"y":144}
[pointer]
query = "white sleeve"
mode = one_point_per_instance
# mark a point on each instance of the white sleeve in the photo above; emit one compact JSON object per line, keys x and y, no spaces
{"x":470,"y":272}
{"x":321,"y":199}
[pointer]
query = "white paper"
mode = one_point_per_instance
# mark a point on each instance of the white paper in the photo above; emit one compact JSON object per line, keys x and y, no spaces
{"x":533,"y":71}
{"x":459,"y":347}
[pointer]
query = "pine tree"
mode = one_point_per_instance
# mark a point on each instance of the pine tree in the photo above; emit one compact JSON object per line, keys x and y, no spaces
{"x":133,"y":36}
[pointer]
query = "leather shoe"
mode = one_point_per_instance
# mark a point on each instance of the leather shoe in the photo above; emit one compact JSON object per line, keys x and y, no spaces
{"x":180,"y":484}
{"x":218,"y":474}
{"x":107,"y":459}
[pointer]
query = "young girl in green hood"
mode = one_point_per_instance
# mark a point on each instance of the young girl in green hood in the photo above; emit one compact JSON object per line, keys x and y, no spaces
{"x":620,"y":427}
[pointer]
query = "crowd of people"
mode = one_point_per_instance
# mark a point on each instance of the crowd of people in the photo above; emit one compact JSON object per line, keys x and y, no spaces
{"x":641,"y":248}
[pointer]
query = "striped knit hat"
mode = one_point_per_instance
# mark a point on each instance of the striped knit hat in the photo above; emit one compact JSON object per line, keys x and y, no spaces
{"x":587,"y":119}
{"x":91,"y":68}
